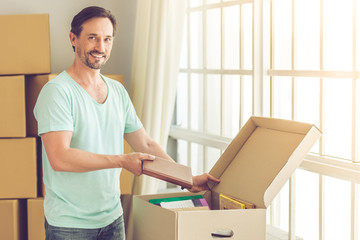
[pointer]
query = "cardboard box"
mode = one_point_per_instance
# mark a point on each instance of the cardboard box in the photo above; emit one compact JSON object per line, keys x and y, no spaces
{"x":12,"y":106}
{"x":25,"y":42}
{"x":33,"y":85}
{"x":40,"y":184}
{"x":18,"y":168}
{"x":13,"y":220}
{"x":254,"y":167}
{"x":35,"y":219}
{"x":118,"y":77}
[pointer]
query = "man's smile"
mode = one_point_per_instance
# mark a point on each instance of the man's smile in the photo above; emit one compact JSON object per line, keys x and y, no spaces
{"x":97,"y":54}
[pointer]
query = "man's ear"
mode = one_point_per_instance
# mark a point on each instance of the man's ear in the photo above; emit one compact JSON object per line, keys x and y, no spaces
{"x":73,"y":39}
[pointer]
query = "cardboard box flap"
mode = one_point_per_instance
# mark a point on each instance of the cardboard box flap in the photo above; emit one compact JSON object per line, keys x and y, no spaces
{"x":262,"y":157}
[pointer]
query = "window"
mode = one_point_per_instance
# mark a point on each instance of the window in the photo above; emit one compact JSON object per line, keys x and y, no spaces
{"x":291,"y":59}
{"x":215,"y":81}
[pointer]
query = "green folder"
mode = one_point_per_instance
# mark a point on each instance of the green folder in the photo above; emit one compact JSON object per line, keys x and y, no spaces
{"x":172,"y":199}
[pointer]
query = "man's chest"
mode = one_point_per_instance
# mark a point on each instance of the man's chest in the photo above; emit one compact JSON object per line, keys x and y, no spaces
{"x":98,"y":93}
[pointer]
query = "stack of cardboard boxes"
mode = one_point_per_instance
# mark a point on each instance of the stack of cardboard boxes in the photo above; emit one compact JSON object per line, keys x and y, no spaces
{"x":24,"y":70}
{"x":25,"y":46}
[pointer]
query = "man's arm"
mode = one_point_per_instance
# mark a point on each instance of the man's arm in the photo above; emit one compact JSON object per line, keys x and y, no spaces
{"x":64,"y":158}
{"x":140,"y":141}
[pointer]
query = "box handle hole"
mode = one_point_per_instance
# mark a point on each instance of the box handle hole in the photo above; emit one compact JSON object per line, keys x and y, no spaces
{"x":228,"y":233}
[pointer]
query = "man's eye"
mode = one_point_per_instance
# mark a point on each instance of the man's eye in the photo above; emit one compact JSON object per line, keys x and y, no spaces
{"x":91,"y":38}
{"x":108,"y":39}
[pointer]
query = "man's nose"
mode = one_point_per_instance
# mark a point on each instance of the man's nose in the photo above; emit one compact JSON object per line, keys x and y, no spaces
{"x":100,"y":46}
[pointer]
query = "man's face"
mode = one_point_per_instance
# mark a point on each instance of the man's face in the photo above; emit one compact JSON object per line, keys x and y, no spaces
{"x":94,"y":44}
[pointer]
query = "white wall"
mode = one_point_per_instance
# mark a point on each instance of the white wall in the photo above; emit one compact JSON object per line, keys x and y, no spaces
{"x":61,"y":13}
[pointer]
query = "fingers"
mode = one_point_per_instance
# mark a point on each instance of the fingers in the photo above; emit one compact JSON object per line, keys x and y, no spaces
{"x":212,"y":178}
{"x":133,"y":161}
{"x":136,"y":169}
{"x":146,"y":157}
{"x":200,"y":183}
{"x":204,"y":178}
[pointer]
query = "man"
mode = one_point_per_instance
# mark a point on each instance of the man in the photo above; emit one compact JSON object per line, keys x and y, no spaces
{"x":82,"y":120}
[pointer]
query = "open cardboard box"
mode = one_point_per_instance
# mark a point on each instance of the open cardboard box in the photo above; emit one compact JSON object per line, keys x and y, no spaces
{"x":254,"y":168}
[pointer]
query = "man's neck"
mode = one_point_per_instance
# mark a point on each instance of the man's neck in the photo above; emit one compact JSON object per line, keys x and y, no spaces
{"x":84,"y":75}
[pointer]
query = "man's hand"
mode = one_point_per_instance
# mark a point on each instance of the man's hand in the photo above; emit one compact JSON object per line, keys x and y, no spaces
{"x":133,"y":161}
{"x":200,"y":182}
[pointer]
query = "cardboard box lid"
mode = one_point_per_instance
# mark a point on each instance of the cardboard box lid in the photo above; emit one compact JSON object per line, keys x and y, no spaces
{"x":262,"y":157}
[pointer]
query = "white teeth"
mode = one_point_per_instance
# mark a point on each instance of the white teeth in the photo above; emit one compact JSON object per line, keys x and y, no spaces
{"x":98,"y":56}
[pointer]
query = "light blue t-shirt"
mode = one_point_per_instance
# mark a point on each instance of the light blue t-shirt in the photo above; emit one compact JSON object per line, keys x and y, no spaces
{"x":90,"y":199}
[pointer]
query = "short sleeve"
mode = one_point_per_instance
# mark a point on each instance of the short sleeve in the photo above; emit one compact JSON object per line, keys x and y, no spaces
{"x":53,"y":109}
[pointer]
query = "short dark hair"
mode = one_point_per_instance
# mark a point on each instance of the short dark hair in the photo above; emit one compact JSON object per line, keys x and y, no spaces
{"x":87,"y":14}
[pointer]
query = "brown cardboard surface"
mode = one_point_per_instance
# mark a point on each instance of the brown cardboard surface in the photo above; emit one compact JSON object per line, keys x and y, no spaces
{"x":13,"y":220}
{"x":118,"y":77}
{"x":254,"y":167}
{"x":162,"y":224}
{"x":18,"y":178}
{"x":35,"y":219}
{"x":155,"y":223}
{"x":25,"y":42}
{"x":203,"y":223}
{"x":272,"y":147}
{"x":40,"y":184}
{"x":12,"y":106}
{"x":33,"y":85}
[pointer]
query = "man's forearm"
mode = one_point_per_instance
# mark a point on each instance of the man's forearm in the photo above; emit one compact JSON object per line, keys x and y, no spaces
{"x":140,"y":141}
{"x":155,"y":149}
{"x":76,"y":160}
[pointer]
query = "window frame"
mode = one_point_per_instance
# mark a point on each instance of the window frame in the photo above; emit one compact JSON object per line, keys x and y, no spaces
{"x":263,"y":75}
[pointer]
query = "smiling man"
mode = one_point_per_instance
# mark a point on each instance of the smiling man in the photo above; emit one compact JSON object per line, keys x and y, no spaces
{"x":90,"y":39}
{"x":83,"y":118}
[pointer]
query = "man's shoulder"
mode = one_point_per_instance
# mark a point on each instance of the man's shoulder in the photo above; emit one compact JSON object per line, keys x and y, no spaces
{"x":61,"y":81}
{"x":60,"y":85}
{"x":62,"y":77}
